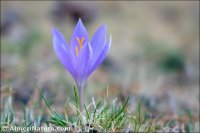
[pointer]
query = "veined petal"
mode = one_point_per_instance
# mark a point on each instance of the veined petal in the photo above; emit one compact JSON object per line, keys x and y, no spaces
{"x":62,"y":51}
{"x":83,"y":62}
{"x":98,"y":40}
{"x":61,"y":40}
{"x":101,"y":57}
{"x":79,"y":32}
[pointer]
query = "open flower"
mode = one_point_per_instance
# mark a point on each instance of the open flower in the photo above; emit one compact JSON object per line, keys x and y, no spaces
{"x":82,"y":56}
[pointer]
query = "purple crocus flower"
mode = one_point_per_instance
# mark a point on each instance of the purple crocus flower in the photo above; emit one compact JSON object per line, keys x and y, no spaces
{"x":82,"y":56}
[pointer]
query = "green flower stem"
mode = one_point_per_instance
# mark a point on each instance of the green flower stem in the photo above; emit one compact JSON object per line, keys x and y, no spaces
{"x":80,"y":91}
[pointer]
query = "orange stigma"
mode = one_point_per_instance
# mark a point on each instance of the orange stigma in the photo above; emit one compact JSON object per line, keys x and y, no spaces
{"x":80,"y":41}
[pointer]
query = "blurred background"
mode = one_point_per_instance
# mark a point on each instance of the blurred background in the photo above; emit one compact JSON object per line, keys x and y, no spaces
{"x":154,"y":55}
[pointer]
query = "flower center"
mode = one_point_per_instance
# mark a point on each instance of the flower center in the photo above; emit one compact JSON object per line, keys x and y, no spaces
{"x":80,"y":42}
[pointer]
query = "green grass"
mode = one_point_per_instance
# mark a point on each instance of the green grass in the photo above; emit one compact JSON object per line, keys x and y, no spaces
{"x":98,"y":116}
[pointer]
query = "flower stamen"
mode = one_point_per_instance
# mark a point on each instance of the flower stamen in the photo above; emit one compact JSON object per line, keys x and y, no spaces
{"x":76,"y":51}
{"x":80,"y":41}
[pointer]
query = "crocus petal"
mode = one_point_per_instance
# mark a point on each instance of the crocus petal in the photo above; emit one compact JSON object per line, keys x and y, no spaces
{"x":83,"y":62}
{"x":57,"y":34}
{"x":79,"y":32}
{"x":98,"y":41}
{"x":101,"y":57}
{"x":62,"y":51}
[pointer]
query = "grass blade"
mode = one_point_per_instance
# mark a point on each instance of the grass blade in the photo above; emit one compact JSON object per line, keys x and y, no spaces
{"x":44,"y":99}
